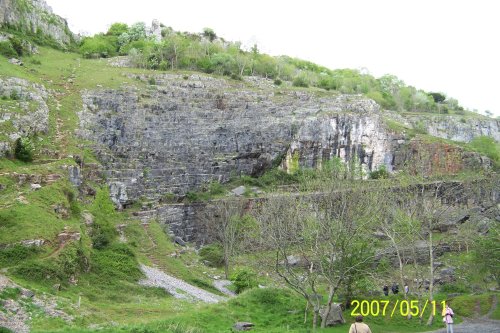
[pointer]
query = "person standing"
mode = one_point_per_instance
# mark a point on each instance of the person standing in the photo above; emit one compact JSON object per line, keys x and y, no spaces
{"x":359,"y":326}
{"x":395,"y":288}
{"x":448,"y":318}
{"x":386,"y":290}
{"x":407,"y":289}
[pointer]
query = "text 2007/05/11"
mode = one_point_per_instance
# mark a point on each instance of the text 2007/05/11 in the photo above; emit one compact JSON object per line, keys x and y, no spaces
{"x":404,"y":308}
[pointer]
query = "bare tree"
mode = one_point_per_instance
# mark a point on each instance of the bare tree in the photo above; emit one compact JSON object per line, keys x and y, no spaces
{"x":223,"y":223}
{"x":286,"y":223}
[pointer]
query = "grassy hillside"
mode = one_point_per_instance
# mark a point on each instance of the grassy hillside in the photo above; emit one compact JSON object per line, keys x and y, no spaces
{"x":94,"y":275}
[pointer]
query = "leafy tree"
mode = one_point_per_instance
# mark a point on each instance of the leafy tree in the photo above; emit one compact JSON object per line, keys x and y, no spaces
{"x":488,"y":253}
{"x":7,"y":50}
{"x":97,"y":46}
{"x":438,"y":97}
{"x":210,"y":34}
{"x":116,"y":29}
{"x":24,"y":149}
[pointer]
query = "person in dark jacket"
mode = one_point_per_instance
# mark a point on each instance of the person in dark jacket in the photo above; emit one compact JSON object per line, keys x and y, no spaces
{"x":395,"y":289}
{"x":386,"y":290}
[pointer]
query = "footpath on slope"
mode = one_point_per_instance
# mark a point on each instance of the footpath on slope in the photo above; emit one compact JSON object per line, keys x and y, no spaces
{"x":176,"y":287}
{"x":479,"y":325}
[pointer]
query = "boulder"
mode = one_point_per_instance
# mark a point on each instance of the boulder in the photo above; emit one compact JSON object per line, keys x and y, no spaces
{"x":451,"y":221}
{"x":243,"y":326}
{"x":88,"y":218}
{"x":15,"y":61}
{"x":33,"y":242}
{"x":239,"y":191}
{"x":35,"y":187}
{"x":75,"y":176}
{"x":179,"y":241}
{"x":334,"y":317}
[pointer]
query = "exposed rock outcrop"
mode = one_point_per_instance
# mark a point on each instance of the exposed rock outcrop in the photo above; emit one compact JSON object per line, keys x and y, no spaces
{"x":26,"y":112}
{"x":36,"y":17}
{"x":182,"y":133}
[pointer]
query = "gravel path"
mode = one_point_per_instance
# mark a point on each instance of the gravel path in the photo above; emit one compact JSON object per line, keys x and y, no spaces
{"x":474,"y":326}
{"x":221,"y":285}
{"x":176,"y":287}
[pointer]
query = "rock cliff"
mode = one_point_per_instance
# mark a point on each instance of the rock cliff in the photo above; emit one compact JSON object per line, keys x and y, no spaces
{"x":173,"y":136}
{"x":35,"y":17}
{"x":173,"y":133}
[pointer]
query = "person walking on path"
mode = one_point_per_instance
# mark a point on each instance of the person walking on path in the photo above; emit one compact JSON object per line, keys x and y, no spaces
{"x":359,"y":326}
{"x":448,"y":318}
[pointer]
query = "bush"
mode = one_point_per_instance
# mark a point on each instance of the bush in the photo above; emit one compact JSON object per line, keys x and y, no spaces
{"x":381,"y":173}
{"x":39,"y":271}
{"x":212,"y":255}
{"x":454,"y":288}
{"x":17,"y":45}
{"x":15,"y":254}
{"x":97,"y":46}
{"x":117,"y":262}
{"x":300,"y":81}
{"x":103,"y":233}
{"x":24,"y":149}
{"x":420,"y":128}
{"x":5,"y":330}
{"x":7,"y":50}
{"x":486,"y":145}
{"x":244,"y":279}
{"x":278,"y":82}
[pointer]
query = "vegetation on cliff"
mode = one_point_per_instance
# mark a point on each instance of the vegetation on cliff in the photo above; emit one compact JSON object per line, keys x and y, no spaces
{"x":208,"y":53}
{"x":68,"y":242}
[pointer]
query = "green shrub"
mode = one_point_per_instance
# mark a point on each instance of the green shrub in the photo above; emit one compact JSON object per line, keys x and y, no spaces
{"x":244,"y":279}
{"x":116,"y":262}
{"x":5,"y":330}
{"x":212,"y":255}
{"x":488,"y":146}
{"x":17,"y":45}
{"x":10,"y":293}
{"x":381,"y":173}
{"x":97,"y":46}
{"x":420,"y":128}
{"x":23,"y":149}
{"x":278,"y":82}
{"x":39,"y":271}
{"x":7,"y":50}
{"x":15,"y":254}
{"x":300,"y":81}
{"x":103,"y":233}
{"x":454,"y":288}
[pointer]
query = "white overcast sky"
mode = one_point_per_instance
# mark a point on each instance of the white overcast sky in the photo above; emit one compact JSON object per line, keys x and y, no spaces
{"x":435,"y":45}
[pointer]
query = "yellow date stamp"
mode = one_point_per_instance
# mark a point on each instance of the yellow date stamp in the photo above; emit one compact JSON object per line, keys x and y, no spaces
{"x":375,"y":308}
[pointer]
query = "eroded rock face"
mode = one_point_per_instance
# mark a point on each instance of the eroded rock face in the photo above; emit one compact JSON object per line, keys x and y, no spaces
{"x":181,"y":133}
{"x":451,"y":127}
{"x":33,"y":16}
{"x":25,"y":111}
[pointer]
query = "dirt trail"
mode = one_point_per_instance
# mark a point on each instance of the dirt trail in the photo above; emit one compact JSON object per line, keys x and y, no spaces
{"x":176,"y":287}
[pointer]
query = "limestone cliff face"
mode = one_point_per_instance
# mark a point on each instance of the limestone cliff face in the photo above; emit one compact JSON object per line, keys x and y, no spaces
{"x":37,"y":17}
{"x":24,"y":111}
{"x":182,"y":132}
{"x":451,"y":127}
